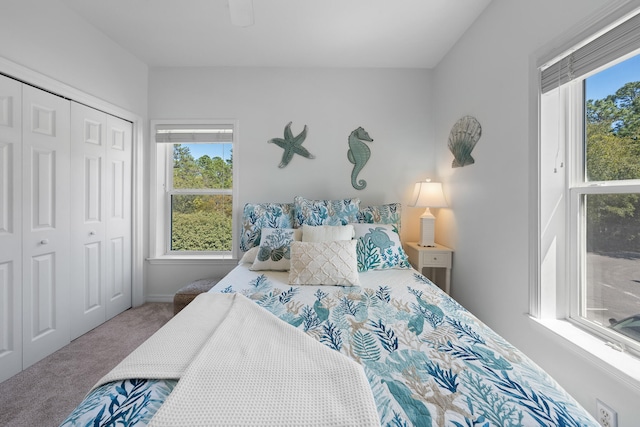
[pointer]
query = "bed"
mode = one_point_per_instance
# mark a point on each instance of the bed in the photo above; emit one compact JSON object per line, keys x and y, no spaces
{"x":424,"y":359}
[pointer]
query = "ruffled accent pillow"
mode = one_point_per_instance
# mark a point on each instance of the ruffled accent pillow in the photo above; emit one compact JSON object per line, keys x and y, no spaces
{"x":324,"y":263}
{"x":274,"y":252}
{"x":256,"y":216}
{"x":327,"y":233}
{"x":379,"y":247}
{"x":324,"y":212}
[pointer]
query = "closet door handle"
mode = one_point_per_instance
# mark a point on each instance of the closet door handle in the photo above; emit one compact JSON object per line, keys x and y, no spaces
{"x":44,"y":241}
{"x":92,"y":233}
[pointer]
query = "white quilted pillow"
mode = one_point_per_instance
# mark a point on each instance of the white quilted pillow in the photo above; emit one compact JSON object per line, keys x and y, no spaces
{"x":327,"y":233}
{"x":324,"y":263}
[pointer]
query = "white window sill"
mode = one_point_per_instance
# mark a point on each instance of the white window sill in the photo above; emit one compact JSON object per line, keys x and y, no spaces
{"x":194,"y":260}
{"x":619,"y":364}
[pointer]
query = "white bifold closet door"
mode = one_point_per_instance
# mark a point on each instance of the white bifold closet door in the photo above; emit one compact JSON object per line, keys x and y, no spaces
{"x":45,"y":223}
{"x":100,"y":217}
{"x":119,"y":215}
{"x":65,"y":222}
{"x":10,"y":227}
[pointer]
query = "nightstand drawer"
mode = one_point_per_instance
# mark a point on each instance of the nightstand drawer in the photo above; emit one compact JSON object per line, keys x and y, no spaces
{"x":436,"y":259}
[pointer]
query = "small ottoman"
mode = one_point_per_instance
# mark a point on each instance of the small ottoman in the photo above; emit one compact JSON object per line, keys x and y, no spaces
{"x":188,"y":293}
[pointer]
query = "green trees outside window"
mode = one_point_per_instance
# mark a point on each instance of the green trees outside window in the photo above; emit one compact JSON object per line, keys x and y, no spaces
{"x":612,"y":154}
{"x":201,"y":200}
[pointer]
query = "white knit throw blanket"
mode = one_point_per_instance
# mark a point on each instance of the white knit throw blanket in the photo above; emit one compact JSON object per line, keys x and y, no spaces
{"x":253,"y":370}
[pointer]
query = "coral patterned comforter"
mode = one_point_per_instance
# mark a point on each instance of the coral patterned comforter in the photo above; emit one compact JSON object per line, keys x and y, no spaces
{"x":428,"y":360}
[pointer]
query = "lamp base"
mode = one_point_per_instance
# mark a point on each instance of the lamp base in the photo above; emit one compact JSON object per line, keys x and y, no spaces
{"x":427,"y":229}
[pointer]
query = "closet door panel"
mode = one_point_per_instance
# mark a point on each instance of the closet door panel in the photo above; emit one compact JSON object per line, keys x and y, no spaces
{"x":118,"y":212}
{"x":88,"y":251}
{"x":46,"y":226}
{"x":10,"y":228}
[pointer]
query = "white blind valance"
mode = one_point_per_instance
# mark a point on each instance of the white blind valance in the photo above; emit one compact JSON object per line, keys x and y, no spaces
{"x":178,"y":133}
{"x":619,"y":41}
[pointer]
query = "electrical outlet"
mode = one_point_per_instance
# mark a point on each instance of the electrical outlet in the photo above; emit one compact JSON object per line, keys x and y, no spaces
{"x":607,"y":417}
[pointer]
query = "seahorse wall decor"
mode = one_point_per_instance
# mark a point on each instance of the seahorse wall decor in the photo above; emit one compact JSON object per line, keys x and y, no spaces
{"x":358,"y":154}
{"x":464,"y":135}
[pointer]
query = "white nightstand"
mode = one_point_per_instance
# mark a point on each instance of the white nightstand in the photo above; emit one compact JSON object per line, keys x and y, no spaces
{"x":432,"y":257}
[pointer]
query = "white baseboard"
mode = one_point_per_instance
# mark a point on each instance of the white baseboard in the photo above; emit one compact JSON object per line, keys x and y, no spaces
{"x":159,"y":298}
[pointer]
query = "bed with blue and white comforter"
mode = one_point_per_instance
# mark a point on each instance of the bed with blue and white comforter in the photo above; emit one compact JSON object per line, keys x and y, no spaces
{"x":429,"y":361}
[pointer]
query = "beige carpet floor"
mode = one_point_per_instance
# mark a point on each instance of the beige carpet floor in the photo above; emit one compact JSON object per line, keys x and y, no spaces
{"x":45,"y":393}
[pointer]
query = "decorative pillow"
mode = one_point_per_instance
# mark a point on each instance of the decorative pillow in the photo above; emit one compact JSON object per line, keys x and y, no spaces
{"x":325,"y":212}
{"x":379,"y":247}
{"x":257,"y":216}
{"x":275,"y":249}
{"x":327,"y":233}
{"x":324,"y":263}
{"x":381,"y":214}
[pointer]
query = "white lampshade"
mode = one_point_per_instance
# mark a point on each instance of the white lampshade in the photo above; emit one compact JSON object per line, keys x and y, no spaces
{"x":427,"y":194}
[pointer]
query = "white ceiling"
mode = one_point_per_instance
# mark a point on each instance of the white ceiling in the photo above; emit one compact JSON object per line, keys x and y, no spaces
{"x":286,"y":33}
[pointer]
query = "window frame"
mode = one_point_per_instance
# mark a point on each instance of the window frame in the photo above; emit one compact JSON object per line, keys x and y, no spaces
{"x":548,"y":233}
{"x":161,"y":177}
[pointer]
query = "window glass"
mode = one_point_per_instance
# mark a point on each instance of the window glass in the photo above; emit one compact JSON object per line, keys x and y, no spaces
{"x":613,"y":122}
{"x":612,"y":284}
{"x":201,"y":197}
{"x":610,"y":212}
{"x":201,"y":223}
{"x":202,"y":166}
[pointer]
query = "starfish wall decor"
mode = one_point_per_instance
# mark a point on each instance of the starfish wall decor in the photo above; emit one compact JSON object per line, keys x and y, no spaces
{"x":291,"y":145}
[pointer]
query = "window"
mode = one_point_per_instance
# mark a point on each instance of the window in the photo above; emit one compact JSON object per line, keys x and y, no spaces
{"x":194,"y":188}
{"x":605,"y":201}
{"x":589,"y":187}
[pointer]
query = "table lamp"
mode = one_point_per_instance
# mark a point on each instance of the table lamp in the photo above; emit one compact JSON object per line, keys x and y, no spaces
{"x":427,"y":194}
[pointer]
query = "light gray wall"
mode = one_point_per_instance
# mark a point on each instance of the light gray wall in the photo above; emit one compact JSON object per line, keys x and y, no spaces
{"x":489,"y":75}
{"x":394,"y":106}
{"x":47,"y":37}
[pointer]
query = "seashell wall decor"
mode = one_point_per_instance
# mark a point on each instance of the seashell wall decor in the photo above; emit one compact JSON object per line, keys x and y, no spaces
{"x":464,"y":135}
